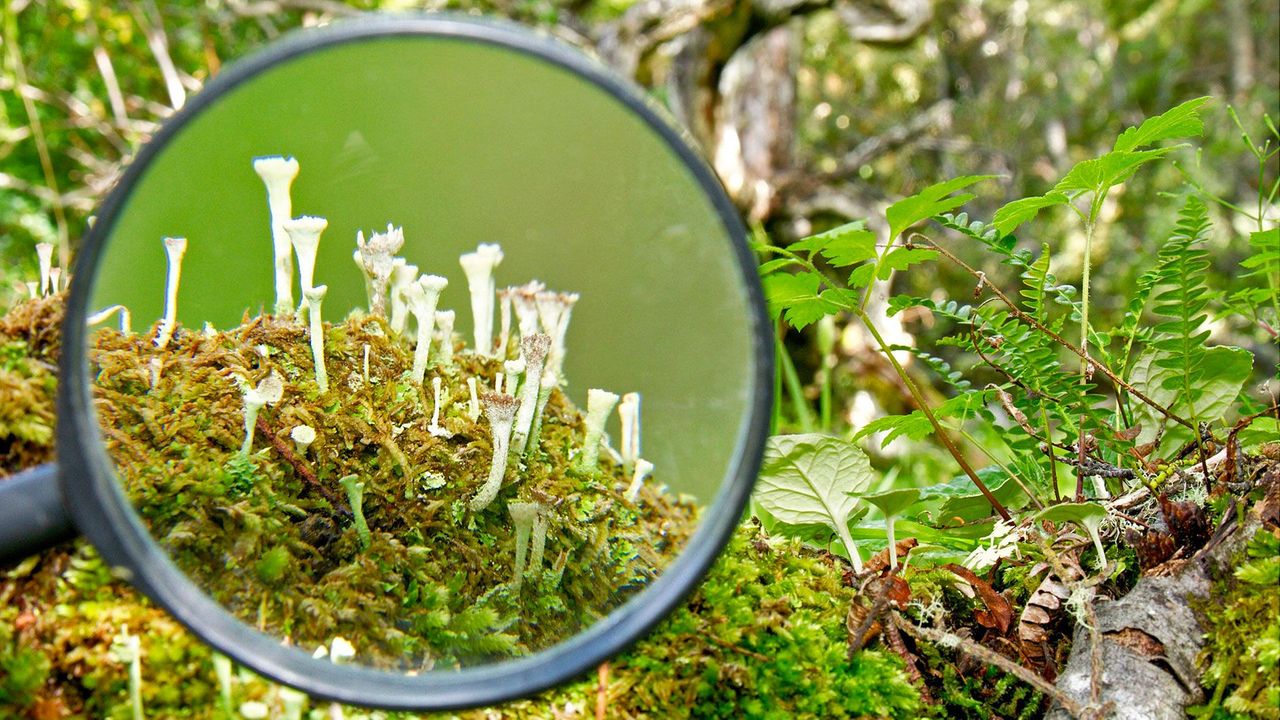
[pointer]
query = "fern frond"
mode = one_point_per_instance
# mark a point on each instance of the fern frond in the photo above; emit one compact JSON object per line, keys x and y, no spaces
{"x":1182,"y":299}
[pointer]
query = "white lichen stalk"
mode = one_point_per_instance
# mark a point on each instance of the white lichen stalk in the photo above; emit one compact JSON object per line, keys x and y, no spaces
{"x":377,"y":257}
{"x":127,"y":649}
{"x":525,"y":301}
{"x":444,"y":329}
{"x":599,"y":405}
{"x":302,"y":436}
{"x":438,"y":400}
{"x":402,"y":275}
{"x":554,"y":311}
{"x":629,"y":414}
{"x":523,"y":517}
{"x":501,"y":411}
{"x":304,"y":234}
{"x":539,"y":544}
{"x":126,"y":320}
{"x":533,"y":349}
{"x":267,"y":392}
{"x":314,"y":297}
{"x":277,"y":173}
{"x":504,"y":321}
{"x":473,"y":405}
{"x":174,"y":249}
{"x":423,"y":297}
{"x":546,"y":385}
{"x":478,"y":267}
{"x":44,"y":255}
{"x":55,"y":281}
{"x":643,"y":468}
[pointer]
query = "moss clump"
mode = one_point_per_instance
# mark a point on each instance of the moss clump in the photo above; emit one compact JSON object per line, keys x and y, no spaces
{"x":762,"y":637}
{"x":1242,"y":632}
{"x":28,"y":378}
{"x":271,"y":535}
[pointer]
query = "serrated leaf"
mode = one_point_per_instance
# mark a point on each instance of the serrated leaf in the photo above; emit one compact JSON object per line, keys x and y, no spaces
{"x":903,"y":258}
{"x":1107,"y":171}
{"x":913,"y":425}
{"x":933,"y":200}
{"x":1177,"y":122}
{"x":772,"y":266}
{"x":804,"y":480}
{"x":807,"y":311}
{"x":843,"y":246}
{"x":861,"y":275}
{"x":782,"y":289}
{"x":1012,"y":216}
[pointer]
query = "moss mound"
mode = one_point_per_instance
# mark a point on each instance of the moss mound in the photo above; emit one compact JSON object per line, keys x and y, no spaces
{"x":272,"y":535}
{"x":762,"y":637}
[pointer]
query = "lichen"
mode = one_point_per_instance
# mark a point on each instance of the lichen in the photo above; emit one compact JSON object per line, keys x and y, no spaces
{"x":433,"y":586}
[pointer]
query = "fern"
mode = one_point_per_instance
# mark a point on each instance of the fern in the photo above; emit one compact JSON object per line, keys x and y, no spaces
{"x":1183,"y":299}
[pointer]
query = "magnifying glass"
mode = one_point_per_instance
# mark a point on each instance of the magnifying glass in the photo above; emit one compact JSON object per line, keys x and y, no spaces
{"x":418,"y":363}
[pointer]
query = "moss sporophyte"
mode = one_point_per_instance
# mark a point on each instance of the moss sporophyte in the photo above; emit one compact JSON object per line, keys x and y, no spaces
{"x":328,"y":478}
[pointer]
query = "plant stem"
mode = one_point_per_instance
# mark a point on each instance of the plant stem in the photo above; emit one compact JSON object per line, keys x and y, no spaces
{"x":795,"y":391}
{"x":943,"y":436}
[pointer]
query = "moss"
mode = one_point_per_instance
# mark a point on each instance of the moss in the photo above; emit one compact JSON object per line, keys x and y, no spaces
{"x":762,"y":637}
{"x":272,"y":536}
{"x":1242,"y":632}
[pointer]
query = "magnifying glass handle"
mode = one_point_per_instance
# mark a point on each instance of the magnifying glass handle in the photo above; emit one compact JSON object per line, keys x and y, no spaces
{"x":32,"y":515}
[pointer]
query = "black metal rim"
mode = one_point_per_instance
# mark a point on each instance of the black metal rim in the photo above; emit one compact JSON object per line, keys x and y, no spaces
{"x":103,"y":514}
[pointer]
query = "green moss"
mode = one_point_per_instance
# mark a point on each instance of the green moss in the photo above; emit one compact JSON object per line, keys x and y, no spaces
{"x":414,"y":579}
{"x":762,"y":637}
{"x":1242,"y":632}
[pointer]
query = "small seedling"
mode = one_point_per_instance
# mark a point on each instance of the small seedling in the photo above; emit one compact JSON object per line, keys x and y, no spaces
{"x":892,"y":503}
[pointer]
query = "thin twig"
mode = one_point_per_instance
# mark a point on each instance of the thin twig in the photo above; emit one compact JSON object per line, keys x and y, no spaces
{"x":991,"y":657}
{"x":877,"y":608}
{"x":307,"y":474}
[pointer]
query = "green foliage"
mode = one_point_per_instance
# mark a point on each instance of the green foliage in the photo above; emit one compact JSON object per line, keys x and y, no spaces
{"x":23,"y":671}
{"x":1242,"y":626}
{"x":810,"y":480}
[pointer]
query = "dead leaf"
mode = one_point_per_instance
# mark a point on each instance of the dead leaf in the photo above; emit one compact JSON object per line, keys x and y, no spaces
{"x":880,"y":561}
{"x":999,"y":613}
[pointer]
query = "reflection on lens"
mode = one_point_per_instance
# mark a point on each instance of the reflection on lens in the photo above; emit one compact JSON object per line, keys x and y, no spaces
{"x":376,"y":480}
